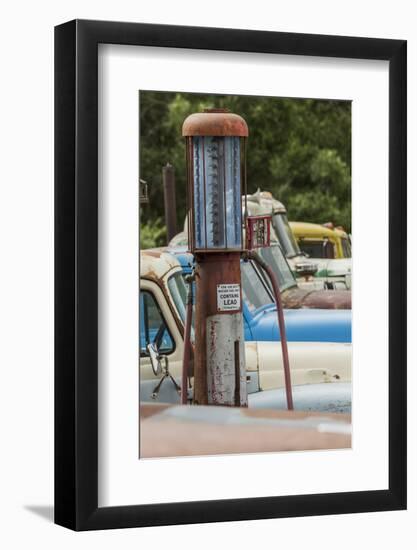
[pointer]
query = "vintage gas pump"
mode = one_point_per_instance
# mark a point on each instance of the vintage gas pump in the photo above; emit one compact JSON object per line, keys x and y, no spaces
{"x":215,"y":145}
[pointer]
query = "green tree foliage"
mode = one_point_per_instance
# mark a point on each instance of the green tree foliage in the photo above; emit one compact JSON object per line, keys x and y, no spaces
{"x":299,"y":149}
{"x":152,"y":233}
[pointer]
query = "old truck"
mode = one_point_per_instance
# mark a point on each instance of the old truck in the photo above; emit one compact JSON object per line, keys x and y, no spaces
{"x":259,"y":310}
{"x":161,"y":343}
{"x":302,"y":279}
{"x":294,"y":295}
{"x":331,"y":272}
{"x":322,"y":240}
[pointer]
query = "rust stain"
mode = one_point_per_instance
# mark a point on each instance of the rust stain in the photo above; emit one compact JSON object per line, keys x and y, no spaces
{"x":155,"y":263}
{"x":152,"y":253}
{"x":317,"y":299}
{"x":216,"y":372}
{"x":215,"y":123}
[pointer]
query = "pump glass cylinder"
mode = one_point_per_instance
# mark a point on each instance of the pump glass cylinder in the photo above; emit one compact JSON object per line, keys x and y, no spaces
{"x":217,"y":192}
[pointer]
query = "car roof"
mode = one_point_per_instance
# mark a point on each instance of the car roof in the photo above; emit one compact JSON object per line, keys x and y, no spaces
{"x":155,"y":263}
{"x":314,"y":230}
{"x":262,"y":202}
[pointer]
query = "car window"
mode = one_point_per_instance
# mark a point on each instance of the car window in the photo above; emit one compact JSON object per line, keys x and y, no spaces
{"x":153,"y":328}
{"x":317,"y":249}
{"x":347,"y":251}
{"x":178,"y":290}
{"x":255,"y":293}
{"x":285,"y":235}
{"x":275,"y":258}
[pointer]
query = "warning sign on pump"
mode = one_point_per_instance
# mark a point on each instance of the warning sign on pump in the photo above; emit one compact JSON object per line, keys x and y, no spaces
{"x":228,"y":297}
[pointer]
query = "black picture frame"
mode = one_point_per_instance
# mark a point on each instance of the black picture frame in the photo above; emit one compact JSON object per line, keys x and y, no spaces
{"x":76,"y":271}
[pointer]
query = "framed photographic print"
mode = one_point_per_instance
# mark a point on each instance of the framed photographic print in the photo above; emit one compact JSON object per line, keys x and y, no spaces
{"x":230,"y":252}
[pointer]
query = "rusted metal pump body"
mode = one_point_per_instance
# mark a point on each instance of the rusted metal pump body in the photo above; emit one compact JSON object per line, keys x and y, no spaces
{"x":215,"y":172}
{"x":220,"y":351}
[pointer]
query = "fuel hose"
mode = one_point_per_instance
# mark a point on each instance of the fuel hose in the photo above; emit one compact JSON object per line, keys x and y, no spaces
{"x":281,"y":322}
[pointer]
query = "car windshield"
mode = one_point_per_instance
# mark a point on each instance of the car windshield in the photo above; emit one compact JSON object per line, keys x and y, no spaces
{"x":275,"y":258}
{"x":178,"y":291}
{"x":254,"y":290}
{"x":285,"y":235}
{"x":317,"y":249}
{"x":255,"y":293}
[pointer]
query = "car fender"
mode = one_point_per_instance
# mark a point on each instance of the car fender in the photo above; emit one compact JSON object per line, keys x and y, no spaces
{"x":319,"y":398}
{"x":310,"y":363}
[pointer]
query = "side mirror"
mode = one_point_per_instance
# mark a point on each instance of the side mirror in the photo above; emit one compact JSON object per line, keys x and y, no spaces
{"x":156,"y":359}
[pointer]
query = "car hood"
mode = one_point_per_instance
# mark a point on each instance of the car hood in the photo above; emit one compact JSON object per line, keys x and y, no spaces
{"x":304,"y":325}
{"x":329,"y":398}
{"x":295,"y":298}
{"x":337,"y":267}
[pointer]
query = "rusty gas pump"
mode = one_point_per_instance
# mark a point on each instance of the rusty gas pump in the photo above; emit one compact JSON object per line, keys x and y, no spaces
{"x":216,"y":173}
{"x":215,"y":146}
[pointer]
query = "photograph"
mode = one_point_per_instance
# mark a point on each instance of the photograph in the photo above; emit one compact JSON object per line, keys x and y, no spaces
{"x":208,"y":334}
{"x":245,"y":269}
{"x":213,"y":190}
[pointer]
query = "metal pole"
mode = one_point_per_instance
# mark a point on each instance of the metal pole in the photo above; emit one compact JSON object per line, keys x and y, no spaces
{"x":281,"y":322}
{"x":219,"y":367}
{"x":168,"y":179}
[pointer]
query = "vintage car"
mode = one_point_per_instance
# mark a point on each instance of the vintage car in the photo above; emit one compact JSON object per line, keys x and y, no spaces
{"x":298,"y":276}
{"x":162,"y":314}
{"x":293,"y":296}
{"x":332,"y":272}
{"x":259,"y":310}
{"x":326,"y":245}
{"x":323,"y":241}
